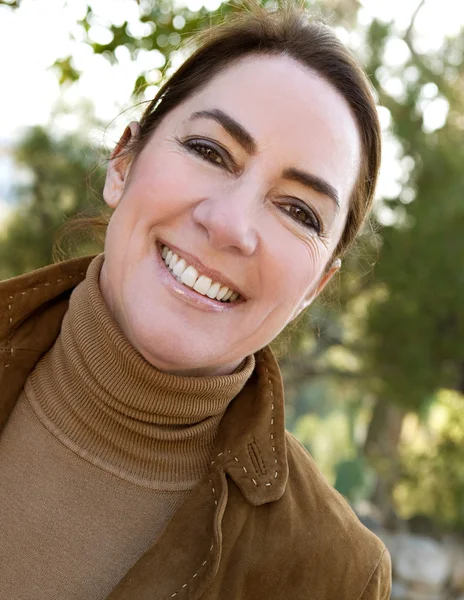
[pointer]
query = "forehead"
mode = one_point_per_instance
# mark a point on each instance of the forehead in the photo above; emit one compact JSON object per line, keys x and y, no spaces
{"x":297,"y":118}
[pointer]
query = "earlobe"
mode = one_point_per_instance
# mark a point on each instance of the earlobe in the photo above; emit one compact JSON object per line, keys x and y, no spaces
{"x":118,"y":167}
{"x":337,"y":263}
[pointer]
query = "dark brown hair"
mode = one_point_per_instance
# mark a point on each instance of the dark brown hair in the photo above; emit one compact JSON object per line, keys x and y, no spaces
{"x":288,"y":30}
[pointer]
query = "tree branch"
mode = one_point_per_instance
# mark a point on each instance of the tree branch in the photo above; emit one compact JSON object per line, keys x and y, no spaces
{"x":407,"y":35}
{"x":10,"y":3}
{"x":441,"y":83}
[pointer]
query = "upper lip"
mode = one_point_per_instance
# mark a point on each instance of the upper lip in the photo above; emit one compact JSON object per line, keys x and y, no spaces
{"x":215,"y":276}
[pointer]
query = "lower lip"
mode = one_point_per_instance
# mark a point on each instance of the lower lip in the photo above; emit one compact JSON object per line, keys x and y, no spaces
{"x":188,"y":294}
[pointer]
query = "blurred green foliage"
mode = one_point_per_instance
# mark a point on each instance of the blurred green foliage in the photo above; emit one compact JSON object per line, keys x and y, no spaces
{"x":166,"y":25}
{"x":432,"y":481}
{"x":390,"y":337}
{"x":416,"y":329}
{"x":66,"y":177}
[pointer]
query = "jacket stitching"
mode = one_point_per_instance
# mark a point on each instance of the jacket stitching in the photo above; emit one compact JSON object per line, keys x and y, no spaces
{"x":271,"y":394}
{"x":9,"y":341}
{"x":256,"y":458}
{"x":253,"y":459}
{"x":260,"y":456}
{"x":244,"y":468}
{"x":211,"y":548}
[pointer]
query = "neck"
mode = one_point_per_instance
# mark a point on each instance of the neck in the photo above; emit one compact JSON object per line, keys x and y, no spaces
{"x":116,"y":410}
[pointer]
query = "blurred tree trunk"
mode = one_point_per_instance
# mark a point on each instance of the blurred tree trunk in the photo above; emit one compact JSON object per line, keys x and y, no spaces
{"x":381,"y":450}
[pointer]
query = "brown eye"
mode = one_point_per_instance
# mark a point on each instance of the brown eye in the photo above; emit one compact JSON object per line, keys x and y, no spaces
{"x":305,"y":216}
{"x":212,"y":155}
{"x":298,"y":213}
{"x":207,"y":152}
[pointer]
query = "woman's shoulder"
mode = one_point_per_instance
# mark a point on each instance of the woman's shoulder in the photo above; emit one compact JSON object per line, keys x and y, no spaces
{"x":29,"y":300}
{"x":327,"y":528}
{"x":73,"y":268}
{"x":313,"y":493}
{"x":308,"y":543}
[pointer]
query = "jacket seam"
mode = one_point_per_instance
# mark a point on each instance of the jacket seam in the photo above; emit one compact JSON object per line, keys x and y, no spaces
{"x":271,"y":395}
{"x":373,"y":573}
{"x":18,"y":349}
{"x":210,"y":550}
{"x":271,"y":434}
{"x":244,"y":468}
{"x":9,"y":342}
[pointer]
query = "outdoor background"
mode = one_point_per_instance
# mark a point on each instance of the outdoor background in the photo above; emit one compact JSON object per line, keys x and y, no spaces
{"x":375,"y":373}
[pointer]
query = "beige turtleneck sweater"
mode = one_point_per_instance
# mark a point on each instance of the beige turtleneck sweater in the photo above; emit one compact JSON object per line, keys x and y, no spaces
{"x":99,"y":452}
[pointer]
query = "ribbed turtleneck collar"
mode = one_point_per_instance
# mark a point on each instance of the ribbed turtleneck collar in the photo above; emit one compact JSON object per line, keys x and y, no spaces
{"x":105,"y":402}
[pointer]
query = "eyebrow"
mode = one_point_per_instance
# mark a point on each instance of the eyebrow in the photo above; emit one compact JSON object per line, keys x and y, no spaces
{"x":247,"y":141}
{"x":318,"y":184}
{"x":233,"y":127}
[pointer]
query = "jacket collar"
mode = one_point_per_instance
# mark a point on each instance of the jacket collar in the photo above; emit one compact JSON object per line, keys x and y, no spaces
{"x":250,"y":445}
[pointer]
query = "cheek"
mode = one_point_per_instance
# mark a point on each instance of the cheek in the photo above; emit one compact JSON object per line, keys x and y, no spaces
{"x":296,"y":266}
{"x":159,"y":193}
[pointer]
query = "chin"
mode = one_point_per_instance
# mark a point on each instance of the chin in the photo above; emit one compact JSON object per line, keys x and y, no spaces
{"x":171,"y":351}
{"x":168,"y":339}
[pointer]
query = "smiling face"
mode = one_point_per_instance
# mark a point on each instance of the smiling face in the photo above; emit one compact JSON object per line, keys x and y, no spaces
{"x":249,"y":182}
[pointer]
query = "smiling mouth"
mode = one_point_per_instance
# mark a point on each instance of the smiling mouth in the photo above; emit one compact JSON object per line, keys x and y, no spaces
{"x":188,"y":276}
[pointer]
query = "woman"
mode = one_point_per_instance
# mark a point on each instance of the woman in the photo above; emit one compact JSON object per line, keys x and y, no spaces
{"x":144,"y":452}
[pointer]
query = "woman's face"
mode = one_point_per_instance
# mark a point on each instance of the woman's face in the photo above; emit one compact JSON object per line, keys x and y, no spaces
{"x":248,"y":181}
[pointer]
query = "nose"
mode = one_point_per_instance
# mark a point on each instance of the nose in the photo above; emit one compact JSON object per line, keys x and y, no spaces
{"x":229,"y":220}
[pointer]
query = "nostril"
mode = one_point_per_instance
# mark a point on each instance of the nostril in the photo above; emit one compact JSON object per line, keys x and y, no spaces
{"x":227,"y":224}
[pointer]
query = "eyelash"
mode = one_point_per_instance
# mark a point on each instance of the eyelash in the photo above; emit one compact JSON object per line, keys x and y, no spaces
{"x":197,"y":147}
{"x":314,"y":222}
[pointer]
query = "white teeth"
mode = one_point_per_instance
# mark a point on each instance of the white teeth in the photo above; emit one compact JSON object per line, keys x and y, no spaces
{"x":213,"y":290}
{"x":189,"y":276}
{"x":179,"y":267}
{"x":202,"y":285}
{"x":222,"y":292}
{"x":173,"y":261}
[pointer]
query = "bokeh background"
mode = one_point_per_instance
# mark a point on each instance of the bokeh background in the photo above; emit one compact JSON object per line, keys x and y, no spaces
{"x":375,"y":371}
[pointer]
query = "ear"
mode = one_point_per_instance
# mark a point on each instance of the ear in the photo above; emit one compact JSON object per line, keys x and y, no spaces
{"x":118,"y":167}
{"x":314,"y":293}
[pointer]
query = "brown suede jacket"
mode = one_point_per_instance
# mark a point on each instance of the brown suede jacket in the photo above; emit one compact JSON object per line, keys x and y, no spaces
{"x":264,"y":524}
